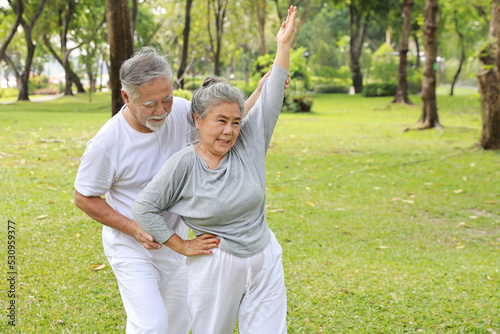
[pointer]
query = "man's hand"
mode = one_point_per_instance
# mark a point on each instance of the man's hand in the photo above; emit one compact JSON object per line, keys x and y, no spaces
{"x":264,"y":78}
{"x":98,"y":209}
{"x":143,"y":238}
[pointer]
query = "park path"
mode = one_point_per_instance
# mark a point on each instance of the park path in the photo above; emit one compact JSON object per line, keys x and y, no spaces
{"x":34,"y":98}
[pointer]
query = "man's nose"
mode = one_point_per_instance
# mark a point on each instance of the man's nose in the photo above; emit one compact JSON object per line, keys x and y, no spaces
{"x":159,"y":109}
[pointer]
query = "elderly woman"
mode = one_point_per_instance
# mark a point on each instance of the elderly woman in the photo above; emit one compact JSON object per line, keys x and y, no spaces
{"x":218,"y":187}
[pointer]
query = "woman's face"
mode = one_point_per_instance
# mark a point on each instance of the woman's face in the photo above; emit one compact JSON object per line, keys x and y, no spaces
{"x":219,"y":128}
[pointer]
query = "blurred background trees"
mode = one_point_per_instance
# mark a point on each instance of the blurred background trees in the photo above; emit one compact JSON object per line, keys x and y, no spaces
{"x":54,"y":46}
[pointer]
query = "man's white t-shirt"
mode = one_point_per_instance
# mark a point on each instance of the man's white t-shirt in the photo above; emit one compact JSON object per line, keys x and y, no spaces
{"x":120,"y":161}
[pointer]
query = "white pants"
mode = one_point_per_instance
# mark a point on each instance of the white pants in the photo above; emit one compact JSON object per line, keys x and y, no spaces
{"x":154,"y":298}
{"x":224,"y":287}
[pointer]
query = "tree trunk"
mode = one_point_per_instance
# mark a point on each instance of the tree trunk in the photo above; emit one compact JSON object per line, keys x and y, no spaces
{"x":185,"y":44}
{"x":261,"y":17}
{"x":67,"y":75}
{"x":417,"y":47}
{"x":19,"y":10}
{"x":462,"y":54}
{"x":489,"y":83}
{"x":23,"y":94}
{"x":402,"y":92}
{"x":30,"y":46}
{"x":14,"y":70}
{"x":120,"y":46}
{"x":278,"y":10}
{"x":64,"y":46}
{"x":429,"y":117}
{"x":219,"y":7}
{"x":357,"y":39}
{"x":74,"y":78}
{"x":133,"y":21}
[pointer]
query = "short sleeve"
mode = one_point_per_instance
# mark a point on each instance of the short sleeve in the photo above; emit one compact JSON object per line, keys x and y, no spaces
{"x":96,"y":172}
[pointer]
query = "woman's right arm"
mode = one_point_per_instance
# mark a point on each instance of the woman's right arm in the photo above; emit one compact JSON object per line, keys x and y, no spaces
{"x":158,"y":196}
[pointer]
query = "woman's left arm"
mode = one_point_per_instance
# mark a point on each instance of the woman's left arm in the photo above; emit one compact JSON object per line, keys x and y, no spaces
{"x":284,"y":39}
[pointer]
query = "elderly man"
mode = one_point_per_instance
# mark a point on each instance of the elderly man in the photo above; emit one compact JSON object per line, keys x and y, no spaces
{"x":118,"y":163}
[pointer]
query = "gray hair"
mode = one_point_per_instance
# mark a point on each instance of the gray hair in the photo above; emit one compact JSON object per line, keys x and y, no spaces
{"x":212,"y":92}
{"x":143,"y":67}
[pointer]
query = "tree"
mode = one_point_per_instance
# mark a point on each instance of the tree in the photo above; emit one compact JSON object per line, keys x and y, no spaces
{"x":260,"y":7}
{"x":133,"y":20}
{"x":92,"y":39}
{"x":219,"y":8}
{"x":18,"y":9}
{"x":359,"y":18}
{"x":429,"y":117}
{"x":28,"y":30}
{"x":120,"y":46}
{"x":306,"y":9}
{"x":462,"y":28}
{"x":489,"y":83}
{"x":402,"y":92}
{"x":185,"y":44}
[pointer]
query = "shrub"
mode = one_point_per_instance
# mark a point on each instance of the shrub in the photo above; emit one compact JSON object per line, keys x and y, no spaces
{"x":183,"y":93}
{"x":327,"y":89}
{"x":9,"y":92}
{"x":380,"y":89}
{"x":297,"y":103}
{"x":45,"y":91}
{"x":414,"y":77}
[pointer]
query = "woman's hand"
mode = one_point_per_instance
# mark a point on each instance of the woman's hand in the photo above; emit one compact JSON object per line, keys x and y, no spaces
{"x":287,"y":28}
{"x":198,"y":246}
{"x":284,"y":39}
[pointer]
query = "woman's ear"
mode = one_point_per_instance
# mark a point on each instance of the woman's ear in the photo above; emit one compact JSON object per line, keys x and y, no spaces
{"x":197,"y":120}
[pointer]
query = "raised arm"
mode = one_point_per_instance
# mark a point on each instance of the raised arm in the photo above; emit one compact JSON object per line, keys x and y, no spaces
{"x":284,"y":39}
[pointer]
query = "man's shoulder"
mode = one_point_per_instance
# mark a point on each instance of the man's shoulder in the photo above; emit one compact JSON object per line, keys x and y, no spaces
{"x":181,"y":105}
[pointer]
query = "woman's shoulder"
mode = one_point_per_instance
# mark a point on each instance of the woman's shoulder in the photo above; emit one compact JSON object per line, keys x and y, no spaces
{"x":184,"y":156}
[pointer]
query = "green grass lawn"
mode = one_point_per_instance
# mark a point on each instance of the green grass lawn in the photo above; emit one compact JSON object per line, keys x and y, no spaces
{"x":383,"y":231}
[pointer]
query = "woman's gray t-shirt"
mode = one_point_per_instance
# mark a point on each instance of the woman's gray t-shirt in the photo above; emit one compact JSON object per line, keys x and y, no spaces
{"x":227,"y":201}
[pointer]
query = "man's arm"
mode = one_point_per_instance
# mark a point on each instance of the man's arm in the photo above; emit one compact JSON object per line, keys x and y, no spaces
{"x":99,"y":210}
{"x":249,"y":103}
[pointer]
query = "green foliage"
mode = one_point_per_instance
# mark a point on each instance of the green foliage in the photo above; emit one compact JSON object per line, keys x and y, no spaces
{"x":183,"y":93}
{"x":379,"y":89}
{"x":262,"y":65}
{"x":328,"y":89}
{"x":39,"y":85}
{"x":9,"y":92}
{"x":414,"y":77}
{"x":384,"y":65}
{"x":382,"y":231}
{"x":341,"y":75}
{"x":298,"y":66}
{"x":297,"y":103}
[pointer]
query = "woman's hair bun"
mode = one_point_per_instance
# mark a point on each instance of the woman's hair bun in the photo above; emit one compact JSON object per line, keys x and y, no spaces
{"x":209,"y":81}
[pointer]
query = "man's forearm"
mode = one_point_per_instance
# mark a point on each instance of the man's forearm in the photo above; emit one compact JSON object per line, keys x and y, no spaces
{"x":97,"y":209}
{"x":249,"y":103}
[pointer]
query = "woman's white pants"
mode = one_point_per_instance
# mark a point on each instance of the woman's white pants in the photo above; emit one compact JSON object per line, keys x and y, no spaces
{"x":224,"y":287}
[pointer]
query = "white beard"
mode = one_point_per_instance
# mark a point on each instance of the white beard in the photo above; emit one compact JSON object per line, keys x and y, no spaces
{"x":155,"y":125}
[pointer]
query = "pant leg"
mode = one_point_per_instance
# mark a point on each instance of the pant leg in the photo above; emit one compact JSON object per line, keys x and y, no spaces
{"x":174,"y":290}
{"x":263,"y":309}
{"x":145,"y":290}
{"x":216,"y":286}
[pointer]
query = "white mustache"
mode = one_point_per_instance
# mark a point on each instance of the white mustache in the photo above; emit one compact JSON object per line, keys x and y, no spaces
{"x":159,"y":117}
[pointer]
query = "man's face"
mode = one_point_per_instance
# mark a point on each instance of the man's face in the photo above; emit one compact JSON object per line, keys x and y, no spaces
{"x":150,"y":110}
